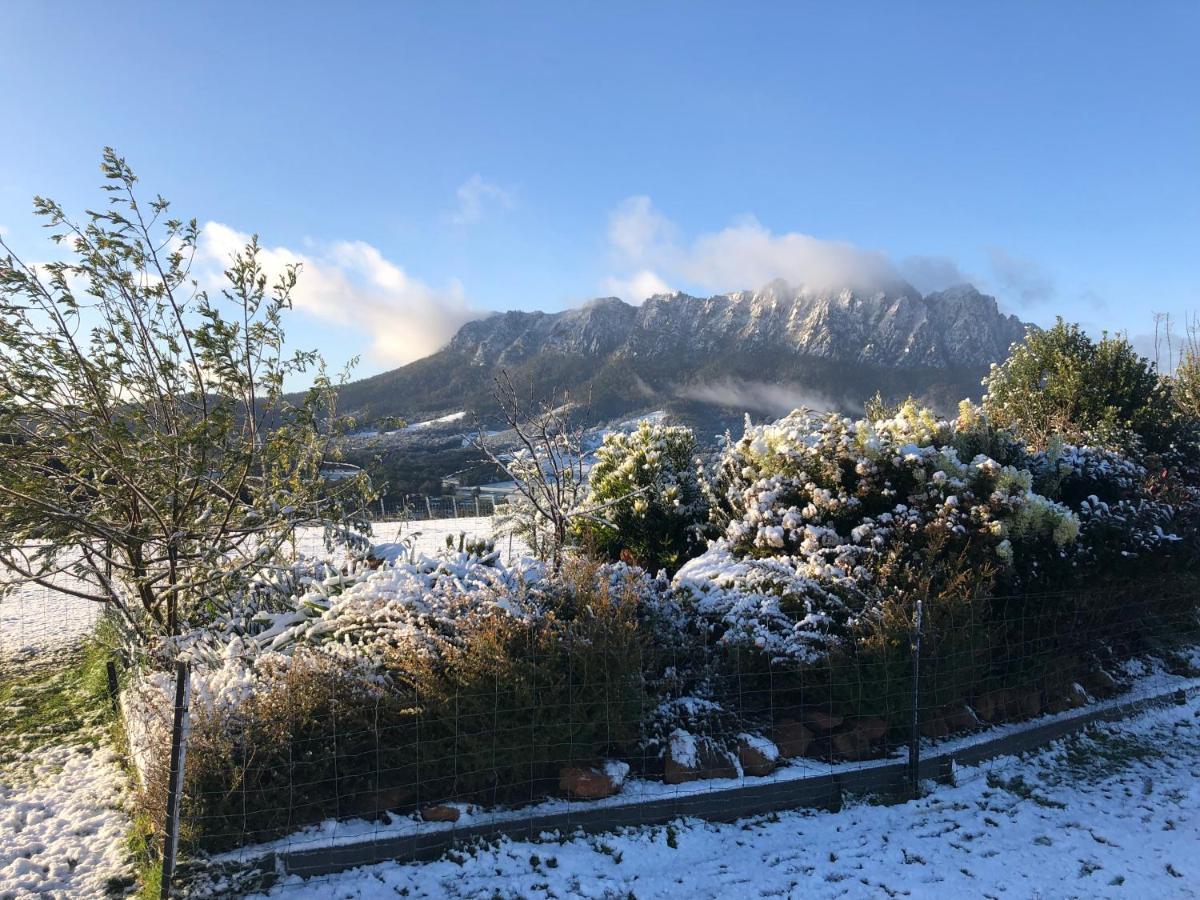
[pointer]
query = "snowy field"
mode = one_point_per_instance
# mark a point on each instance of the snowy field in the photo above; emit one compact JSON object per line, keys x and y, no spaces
{"x":1114,"y":813}
{"x":427,"y":536}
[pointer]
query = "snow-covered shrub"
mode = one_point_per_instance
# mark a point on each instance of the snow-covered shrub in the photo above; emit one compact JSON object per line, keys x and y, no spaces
{"x":508,"y":703}
{"x":827,"y":517}
{"x":441,"y":678}
{"x":832,"y":529}
{"x":644,"y":497}
{"x":685,"y":718}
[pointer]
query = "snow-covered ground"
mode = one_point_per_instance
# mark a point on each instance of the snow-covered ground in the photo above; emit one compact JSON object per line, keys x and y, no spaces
{"x":62,"y":827}
{"x":427,"y":535}
{"x":1115,"y":812}
{"x":36,"y":619}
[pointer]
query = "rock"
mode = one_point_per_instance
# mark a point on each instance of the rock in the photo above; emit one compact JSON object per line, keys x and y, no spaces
{"x":851,"y":745}
{"x":757,"y":755}
{"x":675,"y":772}
{"x":823,"y":719}
{"x":859,"y":737}
{"x":717,"y":762}
{"x":1071,"y":697}
{"x":1101,"y":684}
{"x":441,"y":812}
{"x":591,"y":783}
{"x":390,"y":799}
{"x":935,"y":727}
{"x":960,"y":718}
{"x":873,"y":728}
{"x":992,"y":706}
{"x":682,"y":761}
{"x":792,"y":738}
{"x":1026,"y":704}
{"x":690,"y":758}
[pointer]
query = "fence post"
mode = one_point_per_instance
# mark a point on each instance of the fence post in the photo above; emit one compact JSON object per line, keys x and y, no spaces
{"x":914,"y":739}
{"x":179,"y":730}
{"x":428,"y":506}
{"x":114,"y":685}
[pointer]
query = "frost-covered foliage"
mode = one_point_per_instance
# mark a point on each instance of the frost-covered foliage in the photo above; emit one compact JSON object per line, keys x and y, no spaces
{"x":409,"y":604}
{"x":644,"y":497}
{"x":825,"y":518}
{"x":424,"y":680}
{"x":457,"y":677}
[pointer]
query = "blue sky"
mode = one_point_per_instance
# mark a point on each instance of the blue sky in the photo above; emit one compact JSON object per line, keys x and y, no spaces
{"x":429,"y":162}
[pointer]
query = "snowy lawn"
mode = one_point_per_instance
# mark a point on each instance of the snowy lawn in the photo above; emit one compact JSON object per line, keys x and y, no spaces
{"x":36,"y":619}
{"x":62,"y":826}
{"x":1113,"y":812}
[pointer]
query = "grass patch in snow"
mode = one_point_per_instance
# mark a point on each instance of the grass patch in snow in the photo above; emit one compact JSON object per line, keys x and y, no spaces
{"x":1096,"y":753}
{"x":56,"y":700}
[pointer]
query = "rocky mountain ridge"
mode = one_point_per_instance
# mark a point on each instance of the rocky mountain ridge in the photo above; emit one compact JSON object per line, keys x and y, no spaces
{"x":837,"y":347}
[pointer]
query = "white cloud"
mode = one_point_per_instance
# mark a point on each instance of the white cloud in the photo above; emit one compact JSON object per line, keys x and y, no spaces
{"x":649,"y":253}
{"x":636,"y":287}
{"x":933,"y":273}
{"x":351,"y":283}
{"x":759,"y":396}
{"x":475,"y":196}
{"x":1022,"y":280}
{"x":749,"y":255}
{"x":638,"y":232}
{"x":746,"y":255}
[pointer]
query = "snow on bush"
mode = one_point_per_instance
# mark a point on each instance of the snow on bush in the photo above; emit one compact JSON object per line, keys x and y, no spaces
{"x":644,"y":496}
{"x":824,"y":518}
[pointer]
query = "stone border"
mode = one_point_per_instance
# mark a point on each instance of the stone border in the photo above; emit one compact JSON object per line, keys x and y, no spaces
{"x":718,"y":805}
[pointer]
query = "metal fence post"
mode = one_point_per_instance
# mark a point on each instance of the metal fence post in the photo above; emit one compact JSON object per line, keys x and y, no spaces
{"x":914,"y":739}
{"x":114,"y":685}
{"x":179,"y":730}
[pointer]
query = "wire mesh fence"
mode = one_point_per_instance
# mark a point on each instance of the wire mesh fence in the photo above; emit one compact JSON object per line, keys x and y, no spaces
{"x":418,"y":507}
{"x":612,"y":708}
{"x":611,"y":719}
{"x":36,"y":619}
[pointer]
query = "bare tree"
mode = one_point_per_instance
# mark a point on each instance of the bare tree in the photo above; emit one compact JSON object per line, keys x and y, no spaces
{"x":548,"y":467}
